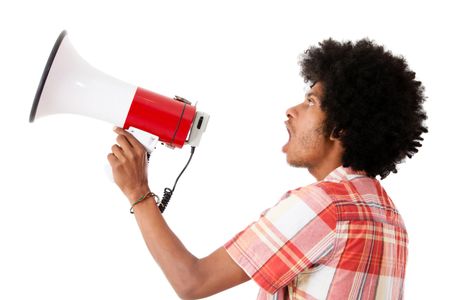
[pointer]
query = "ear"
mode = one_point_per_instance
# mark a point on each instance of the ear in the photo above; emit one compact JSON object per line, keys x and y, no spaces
{"x":336,"y":134}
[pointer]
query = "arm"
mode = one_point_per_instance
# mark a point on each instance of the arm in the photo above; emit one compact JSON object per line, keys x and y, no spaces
{"x":191,"y":277}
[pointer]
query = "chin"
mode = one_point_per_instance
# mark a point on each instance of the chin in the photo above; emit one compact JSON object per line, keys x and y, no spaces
{"x":294,"y":162}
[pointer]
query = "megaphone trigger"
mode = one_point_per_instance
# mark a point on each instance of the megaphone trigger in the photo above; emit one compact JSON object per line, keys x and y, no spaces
{"x":148,"y":140}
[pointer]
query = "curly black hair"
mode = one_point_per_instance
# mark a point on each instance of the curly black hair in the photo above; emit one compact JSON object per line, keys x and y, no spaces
{"x":372,"y":102}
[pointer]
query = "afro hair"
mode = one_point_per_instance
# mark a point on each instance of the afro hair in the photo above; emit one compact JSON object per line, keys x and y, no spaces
{"x":372,"y":102}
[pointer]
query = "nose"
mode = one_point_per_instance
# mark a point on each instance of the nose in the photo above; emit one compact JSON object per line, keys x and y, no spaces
{"x":290,"y":112}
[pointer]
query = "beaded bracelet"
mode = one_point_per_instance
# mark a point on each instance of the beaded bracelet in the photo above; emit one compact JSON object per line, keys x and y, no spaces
{"x":149,"y":194}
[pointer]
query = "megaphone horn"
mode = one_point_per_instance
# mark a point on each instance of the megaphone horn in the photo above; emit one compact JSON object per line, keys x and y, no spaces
{"x":71,"y":85}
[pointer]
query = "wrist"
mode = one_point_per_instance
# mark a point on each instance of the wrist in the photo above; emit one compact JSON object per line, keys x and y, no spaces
{"x":137,"y":193}
{"x":143,"y":199}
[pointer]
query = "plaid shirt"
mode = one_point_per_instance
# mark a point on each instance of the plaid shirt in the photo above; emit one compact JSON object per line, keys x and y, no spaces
{"x":339,"y":238}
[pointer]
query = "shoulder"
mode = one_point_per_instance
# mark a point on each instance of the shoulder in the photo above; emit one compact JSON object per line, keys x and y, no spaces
{"x":302,"y":205}
{"x":316,"y":195}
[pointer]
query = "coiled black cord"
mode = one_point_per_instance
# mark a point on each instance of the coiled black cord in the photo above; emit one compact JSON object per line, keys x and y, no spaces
{"x":167,"y":191}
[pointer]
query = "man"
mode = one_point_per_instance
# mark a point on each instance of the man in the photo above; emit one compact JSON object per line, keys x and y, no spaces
{"x":339,"y":238}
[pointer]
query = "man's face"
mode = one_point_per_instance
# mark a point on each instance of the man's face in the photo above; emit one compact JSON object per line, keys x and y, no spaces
{"x":307,"y":144}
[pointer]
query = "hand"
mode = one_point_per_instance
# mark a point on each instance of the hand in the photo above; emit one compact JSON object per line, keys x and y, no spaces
{"x":128,"y":161}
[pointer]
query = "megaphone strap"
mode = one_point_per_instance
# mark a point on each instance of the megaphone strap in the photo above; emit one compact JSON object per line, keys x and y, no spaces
{"x":178,"y":124}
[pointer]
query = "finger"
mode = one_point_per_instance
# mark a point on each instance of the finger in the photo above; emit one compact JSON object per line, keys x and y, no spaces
{"x":112,"y":159}
{"x":128,"y":150}
{"x":118,"y":152}
{"x":124,"y":143}
{"x":131,"y":139}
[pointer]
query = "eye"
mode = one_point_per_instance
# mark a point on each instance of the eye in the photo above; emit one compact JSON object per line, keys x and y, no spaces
{"x":310,"y":101}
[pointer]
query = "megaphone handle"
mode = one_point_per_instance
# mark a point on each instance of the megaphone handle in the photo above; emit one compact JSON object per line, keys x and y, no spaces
{"x":148,"y":140}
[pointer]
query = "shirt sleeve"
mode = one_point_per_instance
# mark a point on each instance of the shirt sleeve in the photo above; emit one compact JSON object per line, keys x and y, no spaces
{"x":288,"y":238}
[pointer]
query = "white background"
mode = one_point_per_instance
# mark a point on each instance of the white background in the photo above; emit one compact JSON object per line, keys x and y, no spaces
{"x":65,"y":230}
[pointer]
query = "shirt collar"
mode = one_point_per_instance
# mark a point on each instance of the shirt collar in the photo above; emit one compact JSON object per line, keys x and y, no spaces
{"x":343,"y":174}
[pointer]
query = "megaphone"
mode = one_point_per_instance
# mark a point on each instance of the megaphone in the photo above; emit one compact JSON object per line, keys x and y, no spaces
{"x":69,"y":84}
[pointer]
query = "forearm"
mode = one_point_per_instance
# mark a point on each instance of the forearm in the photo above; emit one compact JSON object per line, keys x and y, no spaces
{"x":177,"y":263}
{"x":190,"y":277}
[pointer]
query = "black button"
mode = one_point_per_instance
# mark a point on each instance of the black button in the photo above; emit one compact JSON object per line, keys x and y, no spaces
{"x":199,"y":124}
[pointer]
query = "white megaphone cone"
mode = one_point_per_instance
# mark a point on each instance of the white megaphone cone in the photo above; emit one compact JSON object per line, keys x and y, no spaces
{"x":71,"y":85}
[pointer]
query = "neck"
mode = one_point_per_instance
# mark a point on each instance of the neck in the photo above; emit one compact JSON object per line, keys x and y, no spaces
{"x":322,"y":170}
{"x":329,"y":162}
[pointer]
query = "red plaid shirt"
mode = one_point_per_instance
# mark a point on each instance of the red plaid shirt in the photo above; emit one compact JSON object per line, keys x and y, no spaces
{"x":340,"y":238}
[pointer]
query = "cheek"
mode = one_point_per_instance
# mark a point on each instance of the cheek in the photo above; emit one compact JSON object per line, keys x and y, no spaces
{"x":305,"y":129}
{"x":311,"y":138}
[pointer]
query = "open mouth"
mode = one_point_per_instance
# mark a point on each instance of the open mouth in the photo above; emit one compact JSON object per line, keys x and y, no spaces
{"x":288,"y":129}
{"x":284,"y":149}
